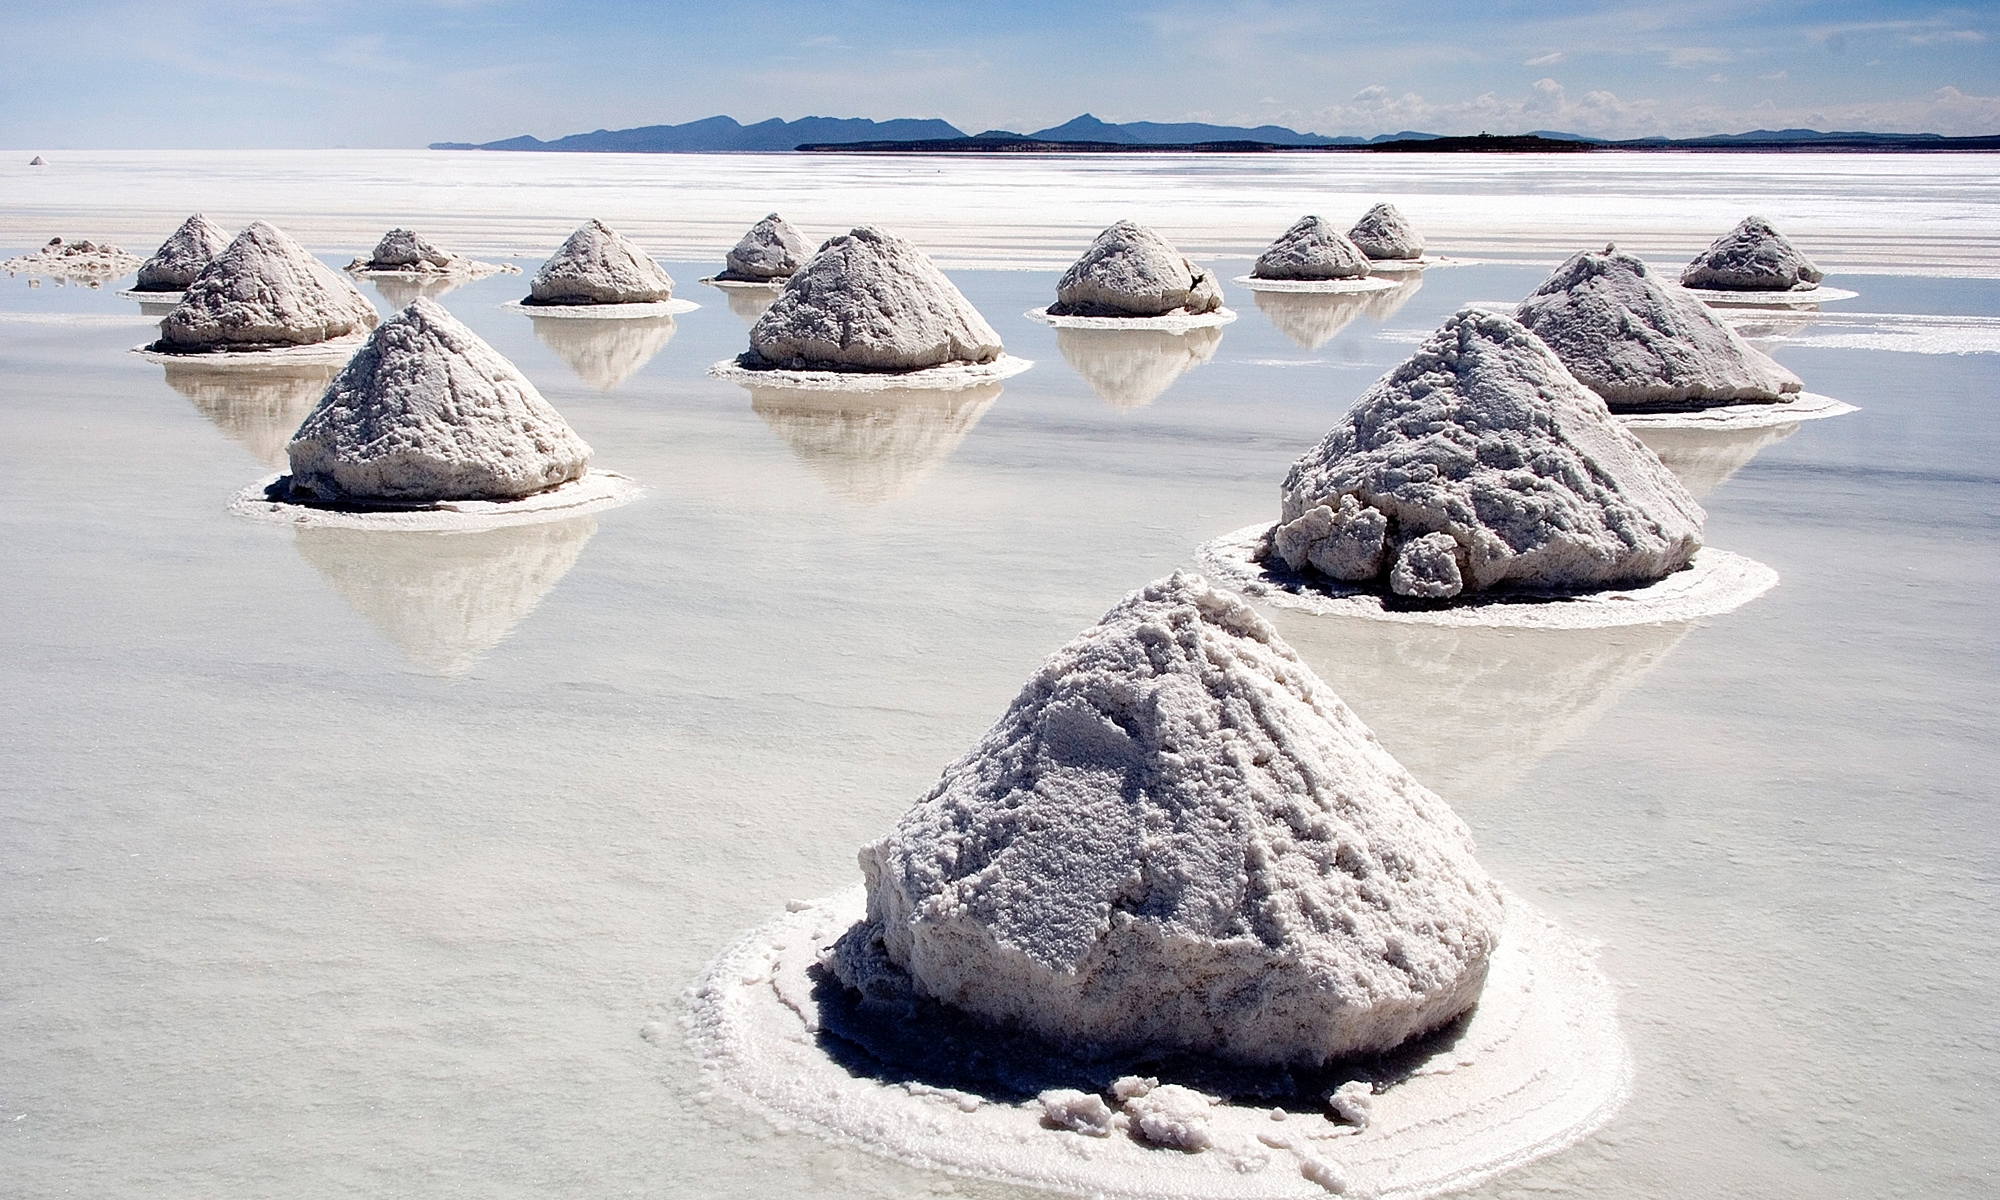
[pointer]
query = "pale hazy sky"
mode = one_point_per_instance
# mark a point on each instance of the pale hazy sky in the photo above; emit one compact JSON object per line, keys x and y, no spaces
{"x":210,"y":73}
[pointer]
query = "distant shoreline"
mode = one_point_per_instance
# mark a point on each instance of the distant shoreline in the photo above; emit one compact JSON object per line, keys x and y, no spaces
{"x":1481,"y":144}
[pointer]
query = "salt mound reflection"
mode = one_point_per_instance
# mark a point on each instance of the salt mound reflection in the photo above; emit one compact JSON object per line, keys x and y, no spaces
{"x":1129,"y":368}
{"x":872,"y":447}
{"x":401,"y":293}
{"x":445,"y":599}
{"x":749,"y":303}
{"x":1706,"y":458}
{"x":257,"y":406}
{"x":604,"y":353}
{"x":1311,"y":319}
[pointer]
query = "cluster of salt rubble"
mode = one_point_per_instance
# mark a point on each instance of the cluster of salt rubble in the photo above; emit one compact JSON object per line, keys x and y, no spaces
{"x":1482,"y":463}
{"x":406,"y":252}
{"x":1382,"y":233}
{"x":1642,"y":344}
{"x":1753,"y":257}
{"x":1311,"y":250}
{"x":180,"y":258}
{"x":1131,"y":271}
{"x":770,"y":253}
{"x":599,"y":265}
{"x":85,"y":262}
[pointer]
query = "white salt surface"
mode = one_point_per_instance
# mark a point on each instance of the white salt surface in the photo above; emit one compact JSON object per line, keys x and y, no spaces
{"x":1800,"y":298}
{"x":1799,"y":406}
{"x":632,"y":311}
{"x":595,"y":492}
{"x":168,"y":298}
{"x":773,"y":286}
{"x":334,"y":350}
{"x":1316,"y":287}
{"x":948,"y":377}
{"x":1715,"y":582}
{"x":1174,"y":322}
{"x":1540,"y":1064}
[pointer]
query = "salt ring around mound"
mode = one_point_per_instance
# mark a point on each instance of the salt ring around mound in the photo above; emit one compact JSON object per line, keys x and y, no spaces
{"x":946,"y":377}
{"x":595,"y":492}
{"x":1796,"y":298}
{"x":1539,"y":1065}
{"x":337,"y":350}
{"x":1173,"y":322}
{"x":173,"y":297}
{"x":1317,"y":287}
{"x":746,"y":285}
{"x":1405,"y":265}
{"x":479,"y":271}
{"x":605,"y":312}
{"x":1802,"y":406}
{"x":1715,"y":582}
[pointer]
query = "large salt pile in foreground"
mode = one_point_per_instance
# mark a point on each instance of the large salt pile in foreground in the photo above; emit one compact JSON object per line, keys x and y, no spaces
{"x":771,"y":252}
{"x":599,"y":265}
{"x":1642,"y":344}
{"x":1311,"y":249}
{"x":870,"y":301}
{"x":427,"y":411}
{"x":1131,"y":271}
{"x":180,"y":258}
{"x":1752,"y":257}
{"x":264,"y":290}
{"x":1482,"y":463}
{"x":1383,"y":233}
{"x":1177,"y":838}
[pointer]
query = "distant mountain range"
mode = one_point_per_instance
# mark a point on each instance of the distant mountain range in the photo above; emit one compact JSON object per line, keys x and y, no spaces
{"x":1086,"y":132}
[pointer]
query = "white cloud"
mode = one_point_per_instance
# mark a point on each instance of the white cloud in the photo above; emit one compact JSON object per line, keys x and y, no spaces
{"x":1547,"y":60}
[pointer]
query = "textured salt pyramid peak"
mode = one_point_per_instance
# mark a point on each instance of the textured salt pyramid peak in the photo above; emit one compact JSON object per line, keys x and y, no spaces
{"x":1131,"y":271}
{"x":1383,"y":233}
{"x":1484,"y":438}
{"x":1752,"y":257}
{"x":264,"y":289}
{"x":409,"y":250}
{"x":1641,"y":343}
{"x":427,"y":411}
{"x":869,"y":300}
{"x":599,"y":265}
{"x":1178,"y":838}
{"x":1311,"y":249}
{"x":182,"y":256}
{"x":771,"y":250}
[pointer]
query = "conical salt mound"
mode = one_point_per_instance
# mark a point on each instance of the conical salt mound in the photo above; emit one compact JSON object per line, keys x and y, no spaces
{"x":264,"y":290}
{"x":1481,"y":463}
{"x":599,"y":265}
{"x":407,"y":250}
{"x":182,"y":256}
{"x":868,"y":300}
{"x":772,"y":250}
{"x":1178,"y":838}
{"x":1383,"y":233}
{"x":1641,"y":344}
{"x":426,"y":411}
{"x":1131,"y":271}
{"x":1311,"y":249}
{"x":1753,"y":257}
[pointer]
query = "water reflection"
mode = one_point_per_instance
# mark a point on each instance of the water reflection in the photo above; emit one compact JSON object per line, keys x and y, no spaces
{"x":257,"y":406}
{"x":872,"y":447}
{"x":604,"y":353}
{"x":1129,"y":368}
{"x":401,"y":293}
{"x":153,"y":307}
{"x":1311,"y":319}
{"x":445,"y":599}
{"x":1767,"y":325}
{"x":1471,"y":710}
{"x":749,"y":303}
{"x":1706,"y":458}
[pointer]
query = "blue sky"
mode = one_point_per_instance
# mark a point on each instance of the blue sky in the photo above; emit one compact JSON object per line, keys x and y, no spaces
{"x":207,"y":73}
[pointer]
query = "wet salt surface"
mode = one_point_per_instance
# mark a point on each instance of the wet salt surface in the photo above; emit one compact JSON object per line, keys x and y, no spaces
{"x":343,"y":869}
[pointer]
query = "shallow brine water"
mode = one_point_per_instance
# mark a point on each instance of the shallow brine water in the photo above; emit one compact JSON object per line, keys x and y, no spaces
{"x":377,"y":865}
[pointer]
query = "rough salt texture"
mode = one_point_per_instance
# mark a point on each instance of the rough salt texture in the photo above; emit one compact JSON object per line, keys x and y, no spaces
{"x":426,"y":411}
{"x":182,"y":256}
{"x":599,"y":265}
{"x":1353,"y":1102}
{"x":1484,"y":439}
{"x":406,"y":250}
{"x":1130,"y":271}
{"x":264,"y":289}
{"x":1383,"y":233}
{"x":1172,"y":1116}
{"x":772,"y":250}
{"x":1178,"y":838}
{"x":870,"y":301}
{"x":1753,"y":257}
{"x":1078,"y":1112}
{"x":1311,"y":249}
{"x":94,"y":263}
{"x":1640,"y":343}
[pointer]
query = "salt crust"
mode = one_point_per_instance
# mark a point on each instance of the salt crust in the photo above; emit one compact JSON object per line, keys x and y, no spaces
{"x":948,"y":377}
{"x":1799,"y":406}
{"x":1811,"y":297}
{"x":1537,"y":1067}
{"x":77,"y":262}
{"x":605,"y":312}
{"x":1391,"y":266}
{"x":338,"y":350}
{"x":167,"y":298}
{"x":594,"y":492}
{"x":1715,"y":582}
{"x":1316,"y":286}
{"x":1174,"y":322}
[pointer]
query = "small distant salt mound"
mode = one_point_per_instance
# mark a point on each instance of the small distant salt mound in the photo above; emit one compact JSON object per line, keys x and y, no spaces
{"x":1753,"y":257}
{"x":1178,"y":838}
{"x":870,"y":301}
{"x":38,"y":161}
{"x":1311,"y":249}
{"x":771,"y":252}
{"x":264,"y":290}
{"x":427,"y":411}
{"x":598,"y":265}
{"x":407,"y":250}
{"x":1383,"y":233}
{"x":88,"y":262}
{"x":1482,"y":463}
{"x":1130,"y":271}
{"x":1640,"y":343}
{"x":182,"y":256}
